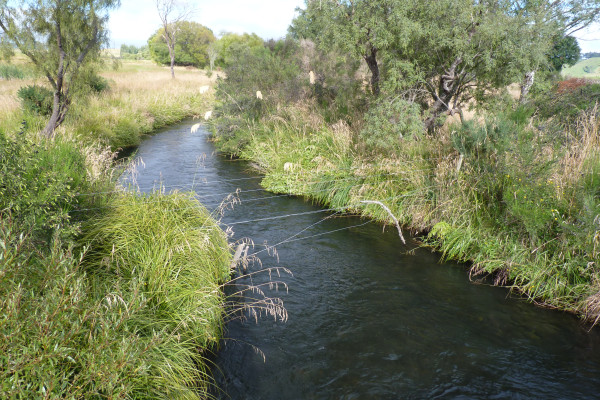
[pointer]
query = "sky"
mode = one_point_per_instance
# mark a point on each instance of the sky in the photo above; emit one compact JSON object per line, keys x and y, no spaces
{"x":589,"y":39}
{"x":136,"y":20}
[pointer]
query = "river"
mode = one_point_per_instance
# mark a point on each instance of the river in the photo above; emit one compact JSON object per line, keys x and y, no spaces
{"x":366,"y":318}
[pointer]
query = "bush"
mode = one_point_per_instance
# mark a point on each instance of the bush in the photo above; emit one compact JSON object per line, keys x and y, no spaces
{"x":10,"y":71}
{"x":36,"y":99}
{"x":388,"y":122}
{"x":568,"y":100}
{"x":277,"y":78}
{"x":39,"y":181}
{"x":96,"y":83}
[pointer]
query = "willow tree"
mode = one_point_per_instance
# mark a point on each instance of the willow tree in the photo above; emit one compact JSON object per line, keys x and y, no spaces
{"x":567,"y":17}
{"x":440,"y":53}
{"x":59,"y":37}
{"x":467,"y":48}
{"x":364,"y":29}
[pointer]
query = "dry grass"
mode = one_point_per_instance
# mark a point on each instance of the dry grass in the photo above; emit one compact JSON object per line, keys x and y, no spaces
{"x":9,"y":103}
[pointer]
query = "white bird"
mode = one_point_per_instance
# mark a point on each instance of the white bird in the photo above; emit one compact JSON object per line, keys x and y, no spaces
{"x":195,"y":128}
{"x":207,"y":115}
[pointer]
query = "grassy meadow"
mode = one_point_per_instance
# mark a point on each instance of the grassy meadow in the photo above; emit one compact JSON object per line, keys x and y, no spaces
{"x":141,"y":98}
{"x":589,"y":68}
{"x":104,"y":293}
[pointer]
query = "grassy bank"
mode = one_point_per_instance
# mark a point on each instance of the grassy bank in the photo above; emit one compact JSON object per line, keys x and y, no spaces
{"x":104,"y":293}
{"x":141,"y":97}
{"x":518,"y":202}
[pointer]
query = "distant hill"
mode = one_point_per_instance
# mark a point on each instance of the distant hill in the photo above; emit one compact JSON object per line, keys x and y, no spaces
{"x":589,"y":68}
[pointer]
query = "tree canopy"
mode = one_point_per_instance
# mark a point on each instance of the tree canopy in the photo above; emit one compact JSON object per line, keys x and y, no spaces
{"x":60,"y":37}
{"x":191,"y":47}
{"x":440,"y":53}
{"x":231,"y":44}
{"x":565,"y":51}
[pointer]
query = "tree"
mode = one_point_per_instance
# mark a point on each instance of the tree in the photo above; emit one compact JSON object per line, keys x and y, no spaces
{"x":363,"y":28}
{"x":170,"y":13}
{"x":565,"y":51}
{"x":464,"y":49}
{"x":439,"y":53}
{"x":231,"y":44}
{"x":59,"y":37}
{"x":191,"y":47}
{"x":568,"y":17}
{"x":213,"y":53}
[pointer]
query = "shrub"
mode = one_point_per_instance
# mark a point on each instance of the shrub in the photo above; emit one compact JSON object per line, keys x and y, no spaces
{"x":11,"y":71}
{"x":96,"y":83}
{"x":39,"y":181}
{"x":36,"y":99}
{"x":278,"y":80}
{"x":388,"y":122}
{"x":568,"y":100}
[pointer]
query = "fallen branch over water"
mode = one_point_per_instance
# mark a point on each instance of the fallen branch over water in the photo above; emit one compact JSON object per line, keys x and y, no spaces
{"x":391,"y":215}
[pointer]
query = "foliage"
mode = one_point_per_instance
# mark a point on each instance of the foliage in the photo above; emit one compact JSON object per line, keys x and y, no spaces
{"x":131,"y":52}
{"x":277,"y":78}
{"x":39,"y":182}
{"x":36,"y":99}
{"x":566,"y":101}
{"x":59,"y":38}
{"x":439,"y":54}
{"x":230,"y":45}
{"x":389,"y":122}
{"x":565,"y":52}
{"x":12,"y":71}
{"x":191,"y":46}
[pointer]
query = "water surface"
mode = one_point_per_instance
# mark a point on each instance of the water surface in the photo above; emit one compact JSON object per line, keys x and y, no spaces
{"x":366,"y":320}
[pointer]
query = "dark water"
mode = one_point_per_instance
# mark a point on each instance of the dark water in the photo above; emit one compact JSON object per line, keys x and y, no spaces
{"x":366,"y":320}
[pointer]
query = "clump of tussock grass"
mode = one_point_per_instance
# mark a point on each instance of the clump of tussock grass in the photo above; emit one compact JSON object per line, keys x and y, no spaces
{"x":170,"y":253}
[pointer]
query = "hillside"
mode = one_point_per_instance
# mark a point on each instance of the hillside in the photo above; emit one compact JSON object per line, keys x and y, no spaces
{"x":589,"y":68}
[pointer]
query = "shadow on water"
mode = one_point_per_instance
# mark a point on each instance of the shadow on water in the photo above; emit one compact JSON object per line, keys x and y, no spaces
{"x":367,"y":320}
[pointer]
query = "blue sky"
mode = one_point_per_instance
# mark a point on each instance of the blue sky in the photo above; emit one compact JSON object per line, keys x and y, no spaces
{"x":136,"y":20}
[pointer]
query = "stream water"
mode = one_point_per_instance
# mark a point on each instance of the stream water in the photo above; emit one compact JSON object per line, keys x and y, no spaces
{"x":366,"y":320}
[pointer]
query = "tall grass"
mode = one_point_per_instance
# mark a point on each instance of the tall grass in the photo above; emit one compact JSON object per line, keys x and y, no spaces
{"x":104,"y":294}
{"x":171,"y":258}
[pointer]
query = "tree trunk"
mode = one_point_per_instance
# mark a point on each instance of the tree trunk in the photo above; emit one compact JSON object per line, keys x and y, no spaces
{"x":439,"y":107}
{"x":526,"y":86}
{"x":60,"y":106}
{"x":371,"y":59}
{"x":172,"y":65}
{"x":447,"y":89}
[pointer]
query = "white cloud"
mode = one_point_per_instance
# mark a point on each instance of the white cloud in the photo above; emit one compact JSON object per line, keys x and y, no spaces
{"x":589,"y":38}
{"x":136,"y":20}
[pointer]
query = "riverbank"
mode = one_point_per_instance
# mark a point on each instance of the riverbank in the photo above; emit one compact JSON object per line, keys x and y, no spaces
{"x":99,"y":296}
{"x":515,"y":201}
